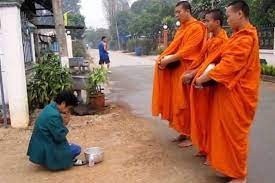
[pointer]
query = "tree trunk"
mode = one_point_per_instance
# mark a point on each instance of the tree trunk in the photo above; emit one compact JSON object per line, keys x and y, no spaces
{"x":117,"y":33}
{"x":60,"y":31}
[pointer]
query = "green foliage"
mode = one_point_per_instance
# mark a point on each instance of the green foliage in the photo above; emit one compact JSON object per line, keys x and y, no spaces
{"x":148,"y":45}
{"x":79,"y":49}
{"x":149,"y":16}
{"x":200,"y":6}
{"x":47,"y":80}
{"x":124,"y":18}
{"x":144,"y":18}
{"x":72,"y":6}
{"x":271,"y":14}
{"x":79,"y":21}
{"x":96,"y":78}
{"x":169,"y":21}
{"x":261,"y":11}
{"x":268,"y":70}
{"x":113,"y":44}
{"x":131,"y":44}
{"x":93,"y":36}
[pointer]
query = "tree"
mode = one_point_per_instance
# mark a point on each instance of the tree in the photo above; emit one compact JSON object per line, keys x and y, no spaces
{"x":112,"y":8}
{"x":76,"y":20}
{"x":148,"y":16}
{"x":60,"y":31}
{"x":93,"y":36}
{"x":72,"y":6}
{"x":262,"y":11}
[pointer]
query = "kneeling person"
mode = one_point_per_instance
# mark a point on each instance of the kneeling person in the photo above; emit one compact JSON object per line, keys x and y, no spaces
{"x":48,"y":145}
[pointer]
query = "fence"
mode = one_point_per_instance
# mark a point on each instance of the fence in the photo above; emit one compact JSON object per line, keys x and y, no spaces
{"x":26,"y":39}
{"x":266,"y":37}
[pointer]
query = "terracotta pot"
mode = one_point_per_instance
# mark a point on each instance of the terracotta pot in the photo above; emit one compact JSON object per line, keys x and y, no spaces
{"x":97,"y":101}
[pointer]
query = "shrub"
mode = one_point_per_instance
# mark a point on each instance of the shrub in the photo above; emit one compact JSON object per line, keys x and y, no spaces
{"x":148,"y":45}
{"x":113,"y":45}
{"x":131,"y":45}
{"x":47,"y":80}
{"x":79,"y":49}
{"x":268,"y":70}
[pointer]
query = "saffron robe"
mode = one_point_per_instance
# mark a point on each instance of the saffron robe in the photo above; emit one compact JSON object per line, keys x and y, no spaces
{"x":234,"y":102}
{"x":187,"y":45}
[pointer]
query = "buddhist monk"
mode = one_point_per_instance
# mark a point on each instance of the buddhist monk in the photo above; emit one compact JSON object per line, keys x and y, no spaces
{"x":236,"y":95}
{"x":183,"y":50}
{"x":201,"y":99}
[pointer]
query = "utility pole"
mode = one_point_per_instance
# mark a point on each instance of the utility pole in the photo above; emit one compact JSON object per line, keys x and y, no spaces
{"x":60,"y":31}
{"x":116,"y":13}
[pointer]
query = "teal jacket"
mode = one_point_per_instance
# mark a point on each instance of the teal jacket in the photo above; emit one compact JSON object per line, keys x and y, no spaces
{"x":48,"y":144}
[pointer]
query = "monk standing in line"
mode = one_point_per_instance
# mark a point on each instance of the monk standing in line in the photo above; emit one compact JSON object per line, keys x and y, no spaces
{"x":184,"y":49}
{"x":236,"y":95}
{"x":201,"y":99}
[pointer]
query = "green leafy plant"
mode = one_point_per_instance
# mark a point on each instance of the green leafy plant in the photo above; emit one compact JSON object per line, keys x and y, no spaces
{"x":97,"y":77}
{"x":131,"y":45}
{"x":79,"y":49}
{"x":47,"y":80}
{"x":268,"y":70}
{"x":147,"y":45}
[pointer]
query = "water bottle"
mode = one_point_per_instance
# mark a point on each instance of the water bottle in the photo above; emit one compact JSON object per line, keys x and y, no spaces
{"x":91,"y":161}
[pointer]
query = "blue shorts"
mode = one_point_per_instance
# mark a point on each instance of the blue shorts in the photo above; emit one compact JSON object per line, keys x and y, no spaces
{"x":106,"y":61}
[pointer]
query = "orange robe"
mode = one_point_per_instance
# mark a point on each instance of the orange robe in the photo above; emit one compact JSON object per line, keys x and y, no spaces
{"x":234,"y":102}
{"x":187,"y":44}
{"x":201,"y":99}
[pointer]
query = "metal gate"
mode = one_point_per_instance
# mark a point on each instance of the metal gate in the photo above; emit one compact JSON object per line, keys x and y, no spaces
{"x":26,"y":39}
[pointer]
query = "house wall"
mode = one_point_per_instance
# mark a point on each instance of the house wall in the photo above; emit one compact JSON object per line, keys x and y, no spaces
{"x":13,"y":63}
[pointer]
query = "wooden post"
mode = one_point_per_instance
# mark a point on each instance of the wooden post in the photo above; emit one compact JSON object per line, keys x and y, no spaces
{"x":60,"y":31}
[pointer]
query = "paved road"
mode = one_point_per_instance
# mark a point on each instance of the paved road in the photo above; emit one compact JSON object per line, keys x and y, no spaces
{"x":131,"y":83}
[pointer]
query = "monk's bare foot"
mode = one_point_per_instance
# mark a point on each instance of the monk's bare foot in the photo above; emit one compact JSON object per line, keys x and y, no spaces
{"x":185,"y":143}
{"x":238,"y":181}
{"x":179,"y":138}
{"x":206,"y":163}
{"x":221,"y":175}
{"x":200,"y":154}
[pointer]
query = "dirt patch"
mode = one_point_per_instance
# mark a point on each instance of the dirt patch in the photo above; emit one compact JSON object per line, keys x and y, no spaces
{"x":132,"y":154}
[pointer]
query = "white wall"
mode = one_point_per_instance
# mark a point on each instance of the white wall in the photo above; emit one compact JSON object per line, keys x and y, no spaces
{"x":14,"y":65}
{"x":3,"y":68}
{"x":268,"y":55}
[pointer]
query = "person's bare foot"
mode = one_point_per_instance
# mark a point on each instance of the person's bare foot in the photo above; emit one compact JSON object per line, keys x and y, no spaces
{"x":206,"y":163}
{"x":221,"y":175}
{"x":179,"y":138}
{"x":200,"y":154}
{"x":185,"y":143}
{"x":244,"y":180}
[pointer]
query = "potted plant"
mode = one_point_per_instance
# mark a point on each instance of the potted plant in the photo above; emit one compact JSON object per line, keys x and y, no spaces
{"x":96,"y":97}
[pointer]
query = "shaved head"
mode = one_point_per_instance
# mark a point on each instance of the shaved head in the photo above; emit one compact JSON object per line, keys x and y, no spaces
{"x":240,"y":5}
{"x":185,"y":5}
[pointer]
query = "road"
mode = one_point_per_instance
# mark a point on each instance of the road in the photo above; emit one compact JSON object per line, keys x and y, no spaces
{"x":131,"y":86}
